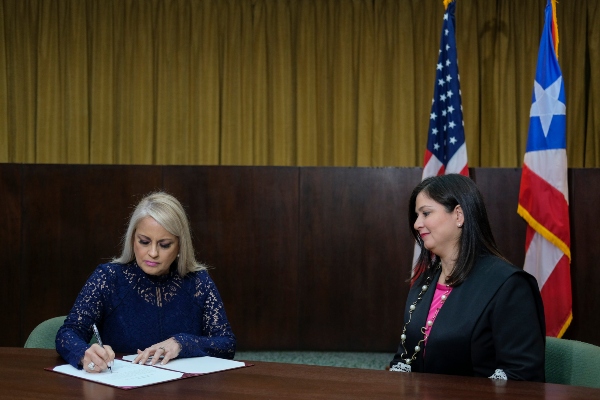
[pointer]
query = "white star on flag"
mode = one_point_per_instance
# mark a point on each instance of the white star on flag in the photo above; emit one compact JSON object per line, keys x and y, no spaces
{"x":547,"y":104}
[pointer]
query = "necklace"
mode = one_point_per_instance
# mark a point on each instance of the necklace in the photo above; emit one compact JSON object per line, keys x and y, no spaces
{"x":439,"y":298}
{"x":405,"y":366}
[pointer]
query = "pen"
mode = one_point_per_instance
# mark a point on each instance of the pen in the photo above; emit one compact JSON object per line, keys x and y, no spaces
{"x":97,"y":334}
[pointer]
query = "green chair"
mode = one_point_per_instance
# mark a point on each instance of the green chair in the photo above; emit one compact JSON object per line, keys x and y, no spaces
{"x":571,"y":362}
{"x":43,"y":336}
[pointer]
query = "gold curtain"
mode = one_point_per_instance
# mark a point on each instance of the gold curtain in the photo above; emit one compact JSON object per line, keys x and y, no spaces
{"x":280,"y":82}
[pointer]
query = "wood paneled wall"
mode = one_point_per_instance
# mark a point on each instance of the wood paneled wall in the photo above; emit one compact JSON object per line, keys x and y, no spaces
{"x":309,"y":258}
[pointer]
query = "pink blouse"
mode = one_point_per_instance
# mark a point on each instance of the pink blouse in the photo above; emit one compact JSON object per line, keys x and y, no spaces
{"x":439,"y":297}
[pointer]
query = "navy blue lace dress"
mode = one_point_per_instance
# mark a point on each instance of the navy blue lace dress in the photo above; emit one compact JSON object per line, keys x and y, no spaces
{"x":134,"y":310}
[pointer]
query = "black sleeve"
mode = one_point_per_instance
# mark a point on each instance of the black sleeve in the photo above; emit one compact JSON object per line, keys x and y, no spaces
{"x":518,"y":329}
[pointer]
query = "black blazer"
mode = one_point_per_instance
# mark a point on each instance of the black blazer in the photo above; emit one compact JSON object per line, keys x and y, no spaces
{"x":493,"y":320}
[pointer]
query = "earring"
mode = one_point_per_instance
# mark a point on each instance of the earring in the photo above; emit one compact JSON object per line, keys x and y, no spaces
{"x":177,"y":255}
{"x":460,"y":225}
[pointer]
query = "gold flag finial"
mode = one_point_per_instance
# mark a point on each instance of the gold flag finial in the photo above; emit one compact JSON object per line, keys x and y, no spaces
{"x":446,"y":2}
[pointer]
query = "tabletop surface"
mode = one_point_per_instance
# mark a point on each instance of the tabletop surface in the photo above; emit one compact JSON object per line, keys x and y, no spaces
{"x":23,"y":377}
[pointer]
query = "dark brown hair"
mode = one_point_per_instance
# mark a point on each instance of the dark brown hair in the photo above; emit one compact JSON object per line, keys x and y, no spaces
{"x":476,"y":236}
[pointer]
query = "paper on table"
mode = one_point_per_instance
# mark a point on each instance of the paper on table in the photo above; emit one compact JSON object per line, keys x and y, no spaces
{"x":124,"y":374}
{"x":196,"y":365}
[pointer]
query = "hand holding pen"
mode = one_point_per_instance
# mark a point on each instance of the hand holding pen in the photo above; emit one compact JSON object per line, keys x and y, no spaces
{"x":98,"y":357}
{"x":101,"y":345}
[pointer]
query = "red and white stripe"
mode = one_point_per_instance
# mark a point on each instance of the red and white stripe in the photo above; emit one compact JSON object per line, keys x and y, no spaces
{"x":456,"y":165}
{"x":544,"y":204}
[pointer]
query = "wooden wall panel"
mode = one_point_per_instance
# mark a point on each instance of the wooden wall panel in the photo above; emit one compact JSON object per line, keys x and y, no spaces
{"x":500,"y":190}
{"x":73,"y":219}
{"x":10,"y":238}
{"x":584,"y":197}
{"x":311,"y":258}
{"x":245,"y":224}
{"x":356,"y":255}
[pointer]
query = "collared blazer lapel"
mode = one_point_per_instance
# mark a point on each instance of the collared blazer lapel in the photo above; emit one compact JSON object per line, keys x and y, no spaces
{"x":450,"y":339}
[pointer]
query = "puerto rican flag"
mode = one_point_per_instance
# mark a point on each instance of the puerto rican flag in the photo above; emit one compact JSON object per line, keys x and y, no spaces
{"x":446,"y":151}
{"x":543,"y":196}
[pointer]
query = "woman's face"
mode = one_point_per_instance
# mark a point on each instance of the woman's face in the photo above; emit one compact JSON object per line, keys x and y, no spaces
{"x":439,"y":229}
{"x":154,"y":247}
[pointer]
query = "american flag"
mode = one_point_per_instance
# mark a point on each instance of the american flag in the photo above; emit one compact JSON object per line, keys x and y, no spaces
{"x":446,"y":151}
{"x":544,"y":196}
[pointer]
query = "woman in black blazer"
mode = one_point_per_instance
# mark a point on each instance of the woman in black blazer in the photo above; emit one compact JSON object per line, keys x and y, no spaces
{"x":469,"y":311}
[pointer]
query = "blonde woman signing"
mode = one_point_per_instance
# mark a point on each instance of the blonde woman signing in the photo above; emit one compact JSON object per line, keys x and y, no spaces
{"x":154,"y":300}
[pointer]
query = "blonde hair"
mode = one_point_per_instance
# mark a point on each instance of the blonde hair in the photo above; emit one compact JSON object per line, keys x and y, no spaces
{"x":168,"y":212}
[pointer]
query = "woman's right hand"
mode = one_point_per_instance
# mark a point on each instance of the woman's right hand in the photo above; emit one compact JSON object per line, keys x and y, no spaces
{"x":97,"y":358}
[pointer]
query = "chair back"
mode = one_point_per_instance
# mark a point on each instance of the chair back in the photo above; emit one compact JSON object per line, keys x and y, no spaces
{"x":43,"y":336}
{"x":571,"y":362}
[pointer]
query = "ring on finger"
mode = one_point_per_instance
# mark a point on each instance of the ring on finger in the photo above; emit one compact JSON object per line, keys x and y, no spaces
{"x":91,"y":366}
{"x":161,"y":348}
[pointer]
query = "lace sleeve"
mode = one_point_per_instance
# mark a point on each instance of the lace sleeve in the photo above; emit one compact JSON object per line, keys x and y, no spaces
{"x":74,"y":335}
{"x":217,"y":339}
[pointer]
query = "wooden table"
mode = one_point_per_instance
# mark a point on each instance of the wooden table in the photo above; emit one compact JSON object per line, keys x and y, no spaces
{"x":22,"y":376}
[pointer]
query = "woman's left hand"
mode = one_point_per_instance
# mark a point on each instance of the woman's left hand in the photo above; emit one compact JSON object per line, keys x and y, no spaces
{"x":168,"y":349}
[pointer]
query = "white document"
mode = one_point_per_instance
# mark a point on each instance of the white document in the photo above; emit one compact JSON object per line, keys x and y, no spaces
{"x":124,"y":374}
{"x":196,"y":365}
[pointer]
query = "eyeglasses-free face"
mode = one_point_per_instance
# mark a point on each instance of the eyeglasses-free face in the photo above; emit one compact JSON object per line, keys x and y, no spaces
{"x":155,"y":248}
